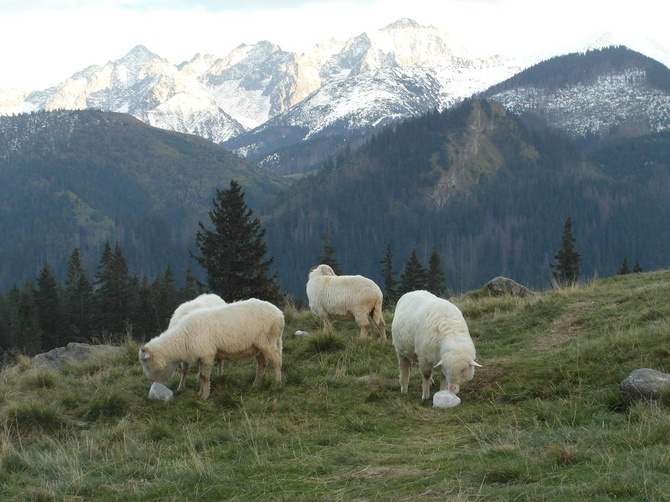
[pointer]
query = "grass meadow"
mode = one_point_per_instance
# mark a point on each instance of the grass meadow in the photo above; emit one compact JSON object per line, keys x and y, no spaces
{"x":543,"y":418}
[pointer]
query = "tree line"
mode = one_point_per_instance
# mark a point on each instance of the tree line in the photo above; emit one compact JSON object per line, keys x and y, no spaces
{"x":45,"y":315}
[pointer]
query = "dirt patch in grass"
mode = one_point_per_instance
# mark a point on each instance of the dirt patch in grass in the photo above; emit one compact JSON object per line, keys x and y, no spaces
{"x":565,"y":327}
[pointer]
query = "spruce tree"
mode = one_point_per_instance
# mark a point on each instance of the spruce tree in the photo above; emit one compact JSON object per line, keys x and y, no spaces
{"x":78,"y":300}
{"x":49,"y":310}
{"x":166,"y":297}
{"x":566,"y":270}
{"x":624,"y":268}
{"x":233,"y":253}
{"x":27,"y":332}
{"x":390,"y":283}
{"x":9,"y":319}
{"x":146,"y":320}
{"x":637,"y":268}
{"x":436,"y":280}
{"x":115,"y":293}
{"x":327,"y":255}
{"x":190,"y":289}
{"x":414,"y":276}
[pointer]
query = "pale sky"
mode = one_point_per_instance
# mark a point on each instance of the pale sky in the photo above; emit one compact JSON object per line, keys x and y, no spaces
{"x":43,"y":42}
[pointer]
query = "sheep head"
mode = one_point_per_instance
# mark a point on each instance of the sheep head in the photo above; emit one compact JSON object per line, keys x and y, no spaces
{"x":154,"y":368}
{"x":458,"y":372}
{"x":321,"y":270}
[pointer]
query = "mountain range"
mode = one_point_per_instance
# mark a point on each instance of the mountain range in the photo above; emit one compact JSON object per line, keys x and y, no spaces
{"x":289,"y":112}
{"x":485,"y":169}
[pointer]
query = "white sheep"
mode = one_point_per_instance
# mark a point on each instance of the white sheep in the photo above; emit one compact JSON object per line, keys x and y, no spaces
{"x":203,"y":301}
{"x":345,"y":296}
{"x":432,"y":331}
{"x":239,"y":330}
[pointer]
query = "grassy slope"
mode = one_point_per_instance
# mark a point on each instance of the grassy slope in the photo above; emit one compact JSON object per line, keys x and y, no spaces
{"x":541,"y":420}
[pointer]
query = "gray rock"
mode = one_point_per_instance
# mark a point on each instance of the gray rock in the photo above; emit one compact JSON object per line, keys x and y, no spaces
{"x":74,"y":351}
{"x":504,"y":286}
{"x":644,"y":384}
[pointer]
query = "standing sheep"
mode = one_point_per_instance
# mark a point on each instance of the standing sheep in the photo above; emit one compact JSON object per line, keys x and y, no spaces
{"x":345,"y":296}
{"x":205,"y":300}
{"x":432,"y":331}
{"x":240,"y":330}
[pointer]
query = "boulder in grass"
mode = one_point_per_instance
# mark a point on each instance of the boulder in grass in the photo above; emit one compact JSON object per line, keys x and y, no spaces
{"x":504,"y":286}
{"x":445,"y":399}
{"x":645,"y":384}
{"x":160,"y":391}
{"x":74,"y":352}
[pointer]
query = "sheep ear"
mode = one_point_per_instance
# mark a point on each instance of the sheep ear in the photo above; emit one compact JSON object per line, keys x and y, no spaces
{"x":475,"y":363}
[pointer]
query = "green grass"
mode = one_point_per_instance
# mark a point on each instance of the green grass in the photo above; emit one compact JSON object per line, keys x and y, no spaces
{"x":542,"y":420}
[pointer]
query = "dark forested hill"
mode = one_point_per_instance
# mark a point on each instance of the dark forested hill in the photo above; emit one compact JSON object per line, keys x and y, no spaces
{"x":485,"y":189}
{"x":489,"y":192}
{"x":76,"y":178}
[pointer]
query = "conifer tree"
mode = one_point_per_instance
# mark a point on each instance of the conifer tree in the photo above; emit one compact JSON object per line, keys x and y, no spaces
{"x":233,"y":253}
{"x":190,"y":289}
{"x":637,"y":268}
{"x":566,"y":270}
{"x":27,"y":332}
{"x":47,"y":298}
{"x":390,"y":283}
{"x":9,"y":320}
{"x":146,"y":320}
{"x":166,"y":297}
{"x":78,"y":300}
{"x":436,"y":279}
{"x":114,"y":290}
{"x":624,"y":268}
{"x":414,"y":275}
{"x":327,"y":255}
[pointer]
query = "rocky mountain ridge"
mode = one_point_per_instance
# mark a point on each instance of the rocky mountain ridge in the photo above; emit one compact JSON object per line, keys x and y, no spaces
{"x":289,"y":112}
{"x":222,"y":98}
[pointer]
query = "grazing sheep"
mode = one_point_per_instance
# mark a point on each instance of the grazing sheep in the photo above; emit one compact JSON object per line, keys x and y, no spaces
{"x":239,"y":330}
{"x":205,"y":300}
{"x":432,"y":331}
{"x":345,"y":296}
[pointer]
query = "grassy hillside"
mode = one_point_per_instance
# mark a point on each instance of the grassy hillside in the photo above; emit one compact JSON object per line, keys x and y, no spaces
{"x":542,"y":420}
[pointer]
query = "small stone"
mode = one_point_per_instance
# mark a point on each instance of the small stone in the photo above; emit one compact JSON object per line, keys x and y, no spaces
{"x":160,"y":391}
{"x":446,"y":399}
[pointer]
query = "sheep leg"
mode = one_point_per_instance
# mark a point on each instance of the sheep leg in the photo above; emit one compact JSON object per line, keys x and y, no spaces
{"x":427,"y":372}
{"x":205,"y":372}
{"x":404,"y":366}
{"x":219,"y":370}
{"x":327,"y":323}
{"x":378,"y":318}
{"x":364,"y":322}
{"x":261,"y":362}
{"x":182,"y":381}
{"x":275,"y":360}
{"x":382,"y":327}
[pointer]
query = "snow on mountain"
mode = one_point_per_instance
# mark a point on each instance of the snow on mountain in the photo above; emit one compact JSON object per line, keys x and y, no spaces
{"x":221,"y":98}
{"x":617,"y":99}
{"x":258,"y":95}
{"x":145,"y":86}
